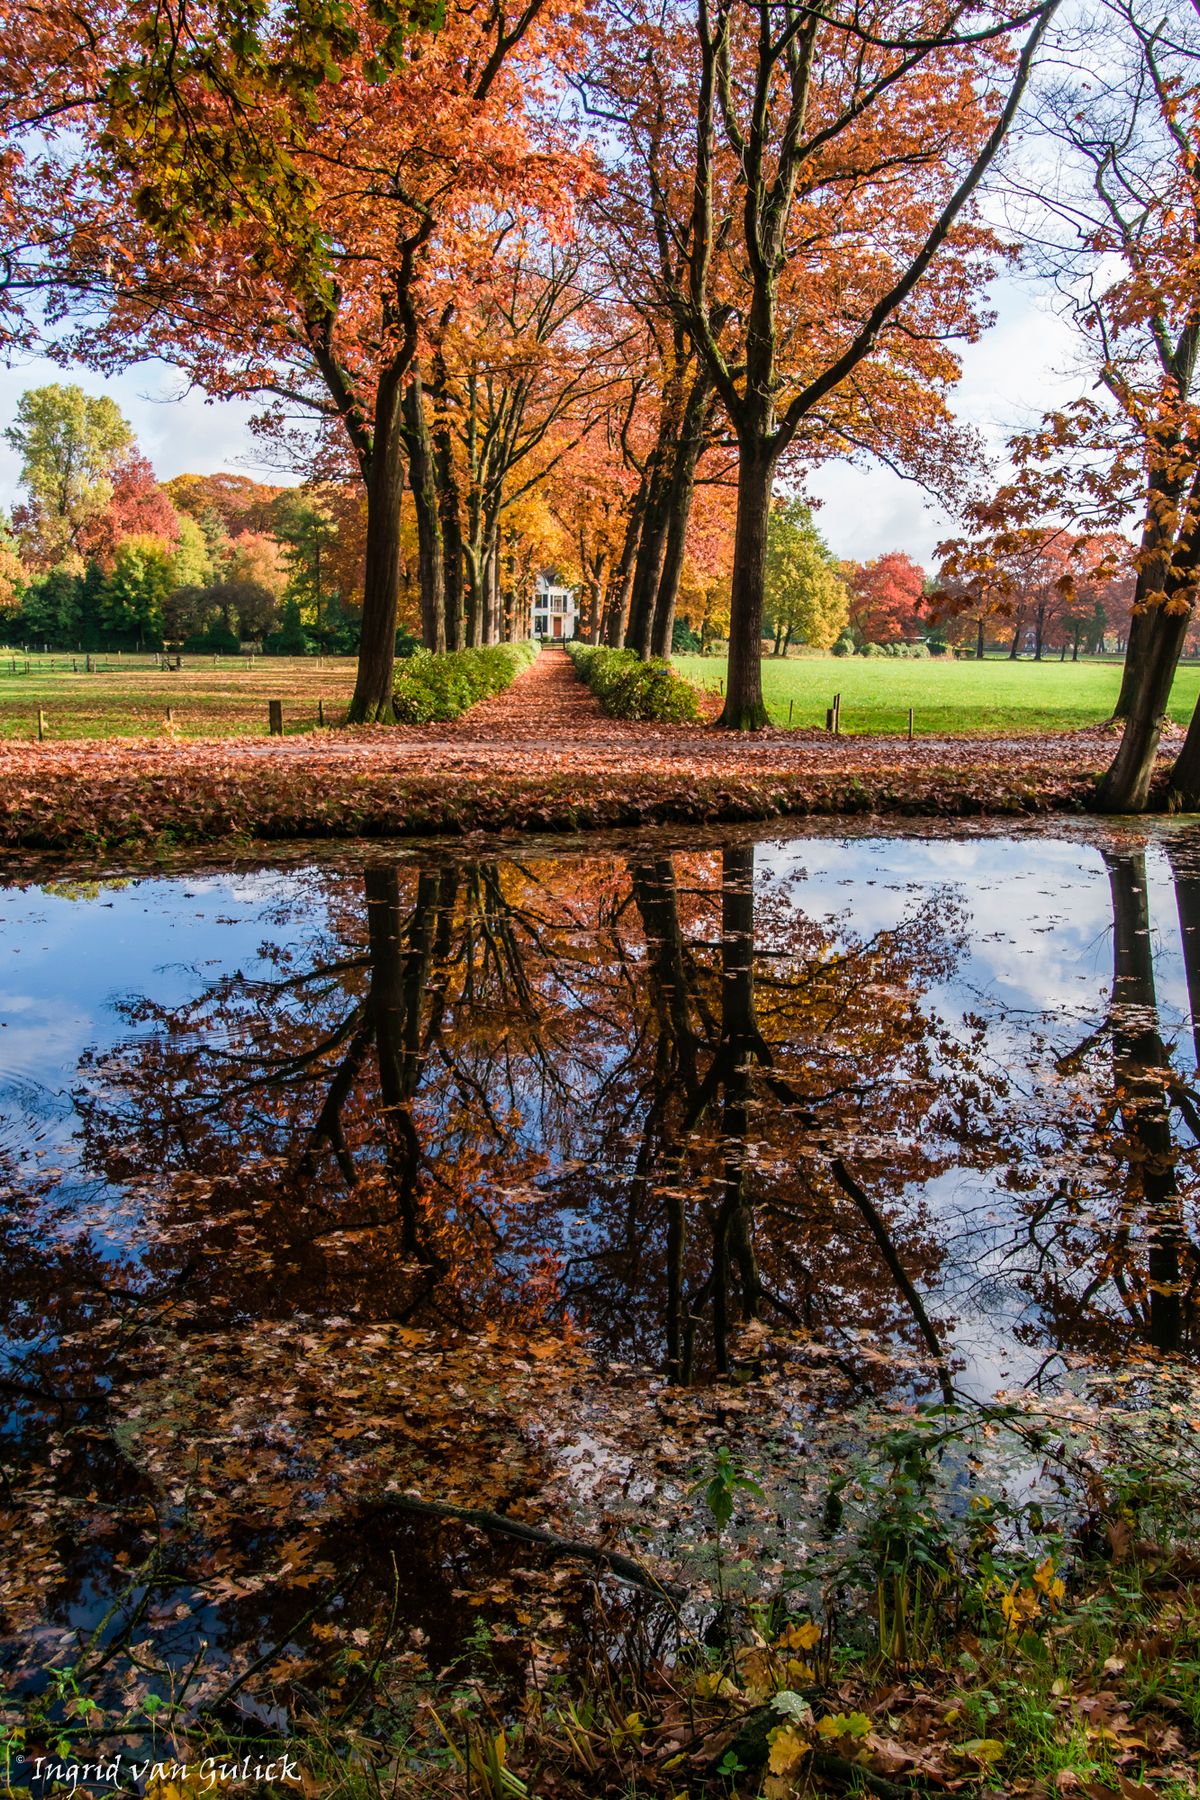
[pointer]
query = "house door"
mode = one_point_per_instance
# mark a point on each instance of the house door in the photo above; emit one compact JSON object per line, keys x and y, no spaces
{"x":557,"y":626}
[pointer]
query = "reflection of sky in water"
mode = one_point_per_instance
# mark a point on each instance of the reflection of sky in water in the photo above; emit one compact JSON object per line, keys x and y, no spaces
{"x":1039,"y":914}
{"x":1039,"y":956}
{"x":65,"y":961}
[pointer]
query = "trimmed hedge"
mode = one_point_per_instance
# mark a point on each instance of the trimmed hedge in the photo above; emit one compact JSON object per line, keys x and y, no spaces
{"x":443,"y":687}
{"x":628,"y":688}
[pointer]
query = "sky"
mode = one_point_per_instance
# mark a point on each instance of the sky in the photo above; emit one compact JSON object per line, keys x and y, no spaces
{"x":1018,"y":369}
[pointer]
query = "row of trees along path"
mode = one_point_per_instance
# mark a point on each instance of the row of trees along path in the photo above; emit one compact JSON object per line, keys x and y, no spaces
{"x":747,"y":245}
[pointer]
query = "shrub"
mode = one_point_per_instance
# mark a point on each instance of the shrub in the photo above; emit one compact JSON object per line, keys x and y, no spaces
{"x":217,"y":640}
{"x":443,"y":687}
{"x":628,"y":688}
{"x":845,"y":645}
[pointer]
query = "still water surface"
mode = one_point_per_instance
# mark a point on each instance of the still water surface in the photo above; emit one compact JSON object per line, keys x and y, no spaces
{"x":450,"y":1175}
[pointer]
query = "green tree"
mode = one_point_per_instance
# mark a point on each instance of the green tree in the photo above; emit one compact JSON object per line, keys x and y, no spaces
{"x":51,"y":609}
{"x":308,"y":534}
{"x":191,"y":560}
{"x":804,"y":596}
{"x":137,"y":589}
{"x":70,"y":444}
{"x":291,"y":639}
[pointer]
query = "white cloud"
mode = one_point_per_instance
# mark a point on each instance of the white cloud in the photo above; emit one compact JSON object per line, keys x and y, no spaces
{"x":181,"y":433}
{"x":1018,"y":369}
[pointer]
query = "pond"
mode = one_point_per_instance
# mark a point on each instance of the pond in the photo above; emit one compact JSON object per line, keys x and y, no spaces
{"x":522,"y":1181}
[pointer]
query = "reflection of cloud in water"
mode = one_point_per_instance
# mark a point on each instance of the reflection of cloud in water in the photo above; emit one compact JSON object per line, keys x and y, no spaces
{"x":1039,"y":912}
{"x":980,"y":1285}
{"x":64,"y":961}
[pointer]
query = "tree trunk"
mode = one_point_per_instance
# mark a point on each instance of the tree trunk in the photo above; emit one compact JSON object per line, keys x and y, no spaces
{"x":744,"y":709}
{"x":429,"y":525}
{"x":979,"y":642}
{"x":495,"y":608}
{"x":399,"y":983}
{"x":1126,"y":786}
{"x":679,"y":511}
{"x":1184,"y":794}
{"x":651,"y":553}
{"x":1135,"y":658}
{"x":596,"y":615}
{"x":1141,"y":623}
{"x":372,"y":699}
{"x":1139,"y":1057}
{"x":472,"y":559}
{"x":1015,"y":648}
{"x":733,"y":1227}
{"x":622,"y":577}
{"x":451,"y":517}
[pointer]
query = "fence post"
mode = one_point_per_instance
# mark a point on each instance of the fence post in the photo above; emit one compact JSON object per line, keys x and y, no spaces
{"x":87,"y":663}
{"x":275,"y":717}
{"x":41,"y":724}
{"x":829,"y":718}
{"x":791,"y":703}
{"x":837,"y":715}
{"x":721,"y":685}
{"x":320,"y":712}
{"x":170,"y":715}
{"x":910,"y":721}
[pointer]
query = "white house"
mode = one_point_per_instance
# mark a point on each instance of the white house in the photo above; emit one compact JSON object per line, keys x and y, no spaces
{"x":555,"y":609}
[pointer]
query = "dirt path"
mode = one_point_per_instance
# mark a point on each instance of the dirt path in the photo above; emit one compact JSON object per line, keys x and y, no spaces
{"x":546,"y":702}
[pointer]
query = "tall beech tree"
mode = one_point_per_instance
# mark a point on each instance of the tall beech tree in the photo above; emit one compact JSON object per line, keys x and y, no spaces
{"x":816,"y":229}
{"x":640,"y":82}
{"x":521,"y":367}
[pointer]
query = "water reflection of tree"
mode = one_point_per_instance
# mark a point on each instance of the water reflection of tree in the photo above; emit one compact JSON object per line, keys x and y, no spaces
{"x":1114,"y":1254}
{"x":461,"y":1106}
{"x":626,"y":1091}
{"x":455,"y":1108}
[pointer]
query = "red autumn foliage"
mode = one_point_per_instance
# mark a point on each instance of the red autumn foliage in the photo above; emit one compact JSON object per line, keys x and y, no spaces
{"x":887,"y":599}
{"x":139,"y":507}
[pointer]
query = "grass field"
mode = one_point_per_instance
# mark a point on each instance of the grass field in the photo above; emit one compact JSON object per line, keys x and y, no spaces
{"x":947,"y":696}
{"x":221,"y":697}
{"x":208,"y":697}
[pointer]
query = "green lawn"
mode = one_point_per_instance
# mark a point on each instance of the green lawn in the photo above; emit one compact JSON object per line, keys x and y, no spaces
{"x":208,"y":697}
{"x":227,"y":697}
{"x":947,"y":696}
